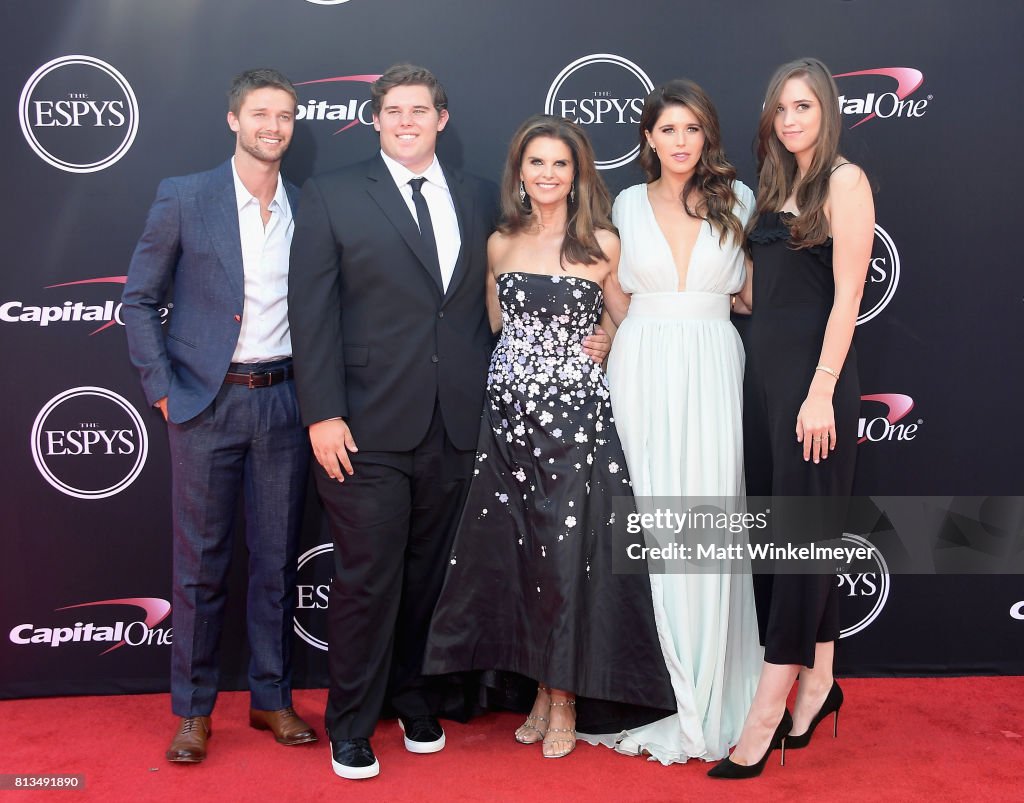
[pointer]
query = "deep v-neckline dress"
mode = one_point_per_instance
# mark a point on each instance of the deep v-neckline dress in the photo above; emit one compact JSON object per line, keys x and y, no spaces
{"x":676,"y":373}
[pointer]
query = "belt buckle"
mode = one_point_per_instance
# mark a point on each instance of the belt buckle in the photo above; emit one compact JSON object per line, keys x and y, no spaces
{"x":252,"y":378}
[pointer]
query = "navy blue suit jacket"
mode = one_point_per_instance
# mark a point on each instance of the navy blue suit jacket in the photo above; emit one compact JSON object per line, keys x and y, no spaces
{"x":191,"y":241}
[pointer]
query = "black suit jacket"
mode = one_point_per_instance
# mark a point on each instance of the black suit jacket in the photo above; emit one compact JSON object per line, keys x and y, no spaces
{"x":374,"y":339}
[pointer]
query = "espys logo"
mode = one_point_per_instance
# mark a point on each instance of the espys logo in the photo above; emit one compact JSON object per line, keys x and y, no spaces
{"x":883,"y":276}
{"x":883,"y":104}
{"x":106,"y":313}
{"x":78,"y":114}
{"x":315,"y":568}
{"x":865,"y":593}
{"x":135,"y":633}
{"x":338,"y":105}
{"x":604,"y":94}
{"x":885,"y":412}
{"x":89,"y":443}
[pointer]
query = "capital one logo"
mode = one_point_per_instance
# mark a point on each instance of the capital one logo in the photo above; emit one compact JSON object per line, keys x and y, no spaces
{"x":870,"y":98}
{"x":313,"y":582}
{"x":882,"y":418}
{"x":883,"y":276}
{"x":101,"y":315}
{"x":327,"y":2}
{"x":605,"y":94}
{"x":331,"y":99}
{"x":89,"y":443}
{"x":133,"y":631}
{"x":863,"y":593}
{"x":78,"y":114}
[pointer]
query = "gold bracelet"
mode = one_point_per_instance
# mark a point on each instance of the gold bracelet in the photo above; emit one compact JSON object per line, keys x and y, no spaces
{"x":827,"y":370}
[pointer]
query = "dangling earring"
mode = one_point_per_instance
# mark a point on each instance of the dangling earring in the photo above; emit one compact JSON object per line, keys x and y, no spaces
{"x":522,"y":192}
{"x":653,"y":149}
{"x":572,"y":194}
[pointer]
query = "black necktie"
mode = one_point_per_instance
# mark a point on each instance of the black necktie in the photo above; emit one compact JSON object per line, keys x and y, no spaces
{"x":426,"y":229}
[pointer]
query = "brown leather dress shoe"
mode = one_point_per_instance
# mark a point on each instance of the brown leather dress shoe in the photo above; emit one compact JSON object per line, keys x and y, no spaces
{"x":189,"y":744}
{"x":287,"y":726}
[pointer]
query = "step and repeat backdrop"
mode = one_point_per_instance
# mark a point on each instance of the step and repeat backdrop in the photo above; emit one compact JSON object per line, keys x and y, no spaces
{"x":100,"y":100}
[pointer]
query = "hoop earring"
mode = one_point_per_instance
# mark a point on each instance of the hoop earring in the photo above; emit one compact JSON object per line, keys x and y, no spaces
{"x":522,"y":192}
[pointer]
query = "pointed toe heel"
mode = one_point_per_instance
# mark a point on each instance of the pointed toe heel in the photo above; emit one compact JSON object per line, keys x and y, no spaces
{"x":727,"y":769}
{"x":833,"y":702}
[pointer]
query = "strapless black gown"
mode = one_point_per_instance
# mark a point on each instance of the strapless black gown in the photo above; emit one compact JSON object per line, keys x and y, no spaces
{"x":530,"y":587}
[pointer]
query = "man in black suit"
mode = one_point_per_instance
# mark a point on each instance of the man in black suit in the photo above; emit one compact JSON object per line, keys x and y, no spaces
{"x":391,"y":345}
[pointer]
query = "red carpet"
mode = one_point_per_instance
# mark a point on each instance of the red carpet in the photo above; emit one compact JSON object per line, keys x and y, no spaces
{"x":906,"y":739}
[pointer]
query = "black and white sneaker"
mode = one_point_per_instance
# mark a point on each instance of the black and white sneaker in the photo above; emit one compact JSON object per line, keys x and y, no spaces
{"x":354,"y":759}
{"x":422,"y":734}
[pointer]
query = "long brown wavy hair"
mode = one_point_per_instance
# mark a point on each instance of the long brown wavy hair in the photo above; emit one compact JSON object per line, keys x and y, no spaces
{"x":776,"y":166}
{"x":713,"y":177}
{"x":593,"y":205}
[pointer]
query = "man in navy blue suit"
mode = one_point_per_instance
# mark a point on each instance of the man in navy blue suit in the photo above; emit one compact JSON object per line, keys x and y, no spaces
{"x":221,"y":374}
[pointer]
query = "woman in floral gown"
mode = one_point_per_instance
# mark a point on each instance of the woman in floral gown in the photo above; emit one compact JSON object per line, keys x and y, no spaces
{"x":530,"y":588}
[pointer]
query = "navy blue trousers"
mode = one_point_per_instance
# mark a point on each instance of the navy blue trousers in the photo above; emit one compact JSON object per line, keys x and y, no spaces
{"x":249,"y":441}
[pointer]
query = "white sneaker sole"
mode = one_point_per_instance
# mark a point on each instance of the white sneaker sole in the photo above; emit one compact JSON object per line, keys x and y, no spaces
{"x":356,"y":773}
{"x":422,"y":748}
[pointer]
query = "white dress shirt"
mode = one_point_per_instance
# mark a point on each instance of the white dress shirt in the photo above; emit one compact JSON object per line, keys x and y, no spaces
{"x":442,"y":210}
{"x":264,"y":332}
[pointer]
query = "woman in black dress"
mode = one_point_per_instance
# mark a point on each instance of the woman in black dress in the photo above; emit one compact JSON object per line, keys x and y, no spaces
{"x":810,"y":241}
{"x":530,"y":587}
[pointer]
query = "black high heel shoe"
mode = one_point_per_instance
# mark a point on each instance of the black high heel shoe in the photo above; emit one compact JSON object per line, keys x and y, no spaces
{"x":726,"y":768}
{"x":832,"y":704}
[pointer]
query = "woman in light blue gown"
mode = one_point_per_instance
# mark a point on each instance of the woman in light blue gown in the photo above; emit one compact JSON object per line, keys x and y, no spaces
{"x":676,"y":377}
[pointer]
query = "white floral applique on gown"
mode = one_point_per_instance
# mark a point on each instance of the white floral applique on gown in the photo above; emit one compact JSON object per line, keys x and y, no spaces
{"x":530,"y":586}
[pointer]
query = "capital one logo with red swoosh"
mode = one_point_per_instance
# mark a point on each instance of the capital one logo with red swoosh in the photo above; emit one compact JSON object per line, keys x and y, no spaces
{"x":121,"y":629}
{"x":332,"y":99}
{"x":883,"y":418}
{"x":97,"y":303}
{"x":868,"y":98}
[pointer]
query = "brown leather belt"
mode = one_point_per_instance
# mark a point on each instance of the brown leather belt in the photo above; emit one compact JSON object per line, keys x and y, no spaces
{"x":261,"y":379}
